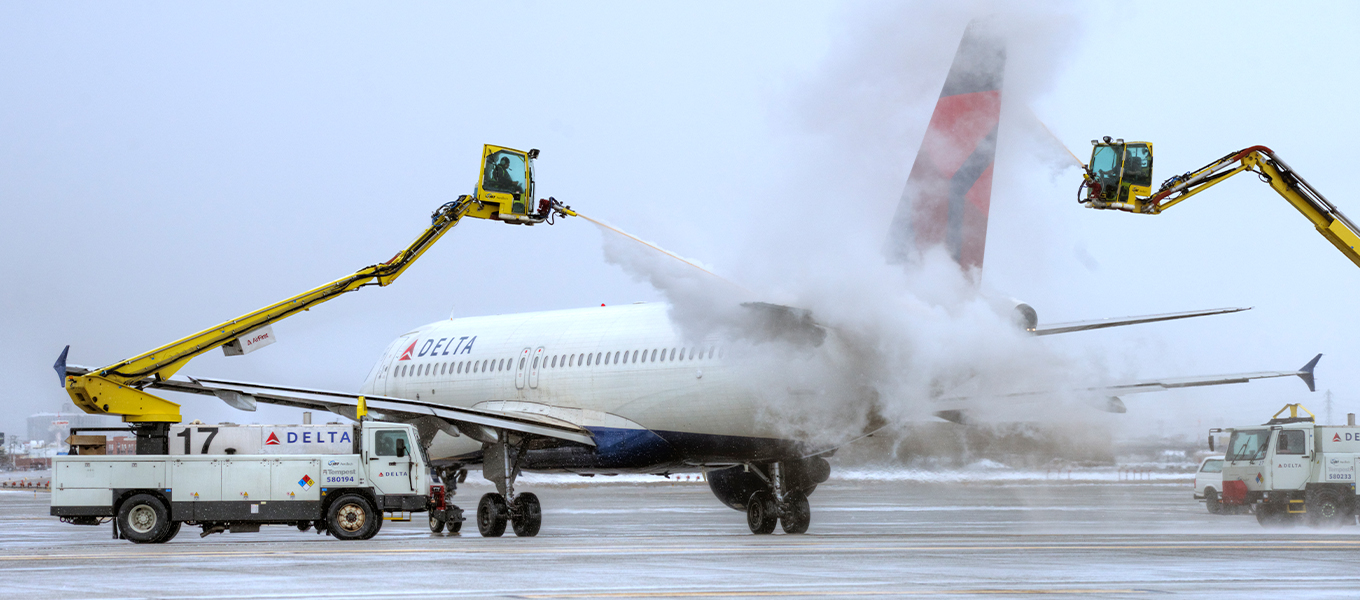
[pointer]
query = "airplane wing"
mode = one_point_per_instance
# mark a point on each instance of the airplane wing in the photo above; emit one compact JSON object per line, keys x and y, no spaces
{"x":475,"y":423}
{"x":955,"y":408}
{"x":1122,"y":321}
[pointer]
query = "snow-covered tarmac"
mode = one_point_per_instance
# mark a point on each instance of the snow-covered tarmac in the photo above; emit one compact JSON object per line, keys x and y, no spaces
{"x":880,"y":534}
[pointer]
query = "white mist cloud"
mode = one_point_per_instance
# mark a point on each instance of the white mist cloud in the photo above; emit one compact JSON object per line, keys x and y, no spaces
{"x":903,"y":339}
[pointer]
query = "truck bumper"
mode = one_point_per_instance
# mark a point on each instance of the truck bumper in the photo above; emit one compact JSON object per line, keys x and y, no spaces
{"x":82,"y":511}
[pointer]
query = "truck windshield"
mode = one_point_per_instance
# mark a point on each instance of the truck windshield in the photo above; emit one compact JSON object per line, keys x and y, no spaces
{"x":1249,"y":444}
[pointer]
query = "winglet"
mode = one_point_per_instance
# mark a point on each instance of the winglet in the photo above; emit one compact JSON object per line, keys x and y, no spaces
{"x":1306,"y":373}
{"x":60,"y":365}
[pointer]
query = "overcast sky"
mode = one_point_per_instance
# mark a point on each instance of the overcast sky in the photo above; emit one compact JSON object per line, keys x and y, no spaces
{"x":167,"y":166}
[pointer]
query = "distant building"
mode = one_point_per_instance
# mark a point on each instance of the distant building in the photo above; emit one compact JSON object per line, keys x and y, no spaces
{"x":121,"y":445}
{"x":55,"y":427}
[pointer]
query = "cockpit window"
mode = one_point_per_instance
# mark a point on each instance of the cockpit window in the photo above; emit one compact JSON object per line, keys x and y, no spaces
{"x":1138,"y":165}
{"x":504,"y":173}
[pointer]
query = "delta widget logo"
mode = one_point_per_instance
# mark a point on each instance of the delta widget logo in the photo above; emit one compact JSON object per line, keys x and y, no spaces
{"x":272,"y":440}
{"x":306,"y":482}
{"x":409,"y":349}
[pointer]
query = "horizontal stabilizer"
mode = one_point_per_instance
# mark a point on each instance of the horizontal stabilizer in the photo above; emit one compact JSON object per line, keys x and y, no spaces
{"x":1122,"y":321}
{"x":1109,"y":394}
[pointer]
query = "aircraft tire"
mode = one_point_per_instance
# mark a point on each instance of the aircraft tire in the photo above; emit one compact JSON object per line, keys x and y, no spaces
{"x":491,"y":515}
{"x":798,"y":514}
{"x":761,"y":513}
{"x":143,"y":519}
{"x":528,"y":515}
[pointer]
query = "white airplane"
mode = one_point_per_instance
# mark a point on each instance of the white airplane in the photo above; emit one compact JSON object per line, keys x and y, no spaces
{"x":620,"y":389}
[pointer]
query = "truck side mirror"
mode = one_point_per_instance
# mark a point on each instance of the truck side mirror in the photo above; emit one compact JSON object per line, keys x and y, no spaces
{"x":401,"y":447}
{"x":1211,"y":442}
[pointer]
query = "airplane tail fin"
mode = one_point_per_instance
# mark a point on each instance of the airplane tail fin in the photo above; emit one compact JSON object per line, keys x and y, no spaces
{"x":948,"y":193}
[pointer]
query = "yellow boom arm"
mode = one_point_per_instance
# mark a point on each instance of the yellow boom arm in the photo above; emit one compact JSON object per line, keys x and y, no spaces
{"x":1326,"y":218}
{"x":116,"y":389}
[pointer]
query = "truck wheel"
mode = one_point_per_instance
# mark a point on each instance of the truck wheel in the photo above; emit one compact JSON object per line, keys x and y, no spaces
{"x":491,"y":515}
{"x":170,"y":535}
{"x":143,"y":519}
{"x":1328,"y":510}
{"x":436,"y":524}
{"x":351,"y":517}
{"x":1211,"y":502}
{"x":1274,"y":515}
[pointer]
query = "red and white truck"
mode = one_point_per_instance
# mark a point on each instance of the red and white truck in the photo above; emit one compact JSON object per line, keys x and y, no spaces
{"x":1291,"y":470}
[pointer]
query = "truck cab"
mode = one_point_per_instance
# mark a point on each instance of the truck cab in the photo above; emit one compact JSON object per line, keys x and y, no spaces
{"x":1292,"y":470}
{"x":397,"y":466}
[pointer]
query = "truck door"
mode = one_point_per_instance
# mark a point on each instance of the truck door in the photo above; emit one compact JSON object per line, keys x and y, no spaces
{"x":388,"y":455}
{"x":1292,"y":458}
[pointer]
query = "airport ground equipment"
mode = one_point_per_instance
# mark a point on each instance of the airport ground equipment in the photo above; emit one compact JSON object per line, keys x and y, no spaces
{"x":340,"y":479}
{"x":504,"y":192}
{"x":1291,"y":470}
{"x":1119,"y":177}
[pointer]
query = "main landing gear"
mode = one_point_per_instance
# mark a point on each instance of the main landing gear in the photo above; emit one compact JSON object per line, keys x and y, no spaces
{"x":501,"y":465}
{"x":788,"y":508}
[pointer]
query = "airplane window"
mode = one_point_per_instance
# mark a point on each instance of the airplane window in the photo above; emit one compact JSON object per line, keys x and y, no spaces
{"x":521,"y":362}
{"x":587,"y":359}
{"x":571,"y":360}
{"x":443,"y":368}
{"x":672,"y":354}
{"x":597,"y":357}
{"x":554,"y":360}
{"x":501,"y":365}
{"x":535,"y":362}
{"x":635,"y":353}
{"x":711,"y":351}
{"x":653,"y":355}
{"x":460,"y":367}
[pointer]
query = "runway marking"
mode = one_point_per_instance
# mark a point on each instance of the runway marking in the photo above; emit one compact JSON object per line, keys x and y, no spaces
{"x":838,"y":593}
{"x":1275,"y":545}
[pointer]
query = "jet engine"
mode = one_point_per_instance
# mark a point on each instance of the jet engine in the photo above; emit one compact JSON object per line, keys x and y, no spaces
{"x":1025,"y":316}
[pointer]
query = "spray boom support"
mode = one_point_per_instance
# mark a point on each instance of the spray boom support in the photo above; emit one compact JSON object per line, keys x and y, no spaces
{"x":504,"y":191}
{"x":1119,"y":177}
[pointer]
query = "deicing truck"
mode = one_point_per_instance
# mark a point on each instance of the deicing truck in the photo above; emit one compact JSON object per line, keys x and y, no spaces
{"x":1291,"y":470}
{"x":340,"y":479}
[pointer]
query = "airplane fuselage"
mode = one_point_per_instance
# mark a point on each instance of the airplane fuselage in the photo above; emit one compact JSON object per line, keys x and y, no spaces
{"x":653,"y":400}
